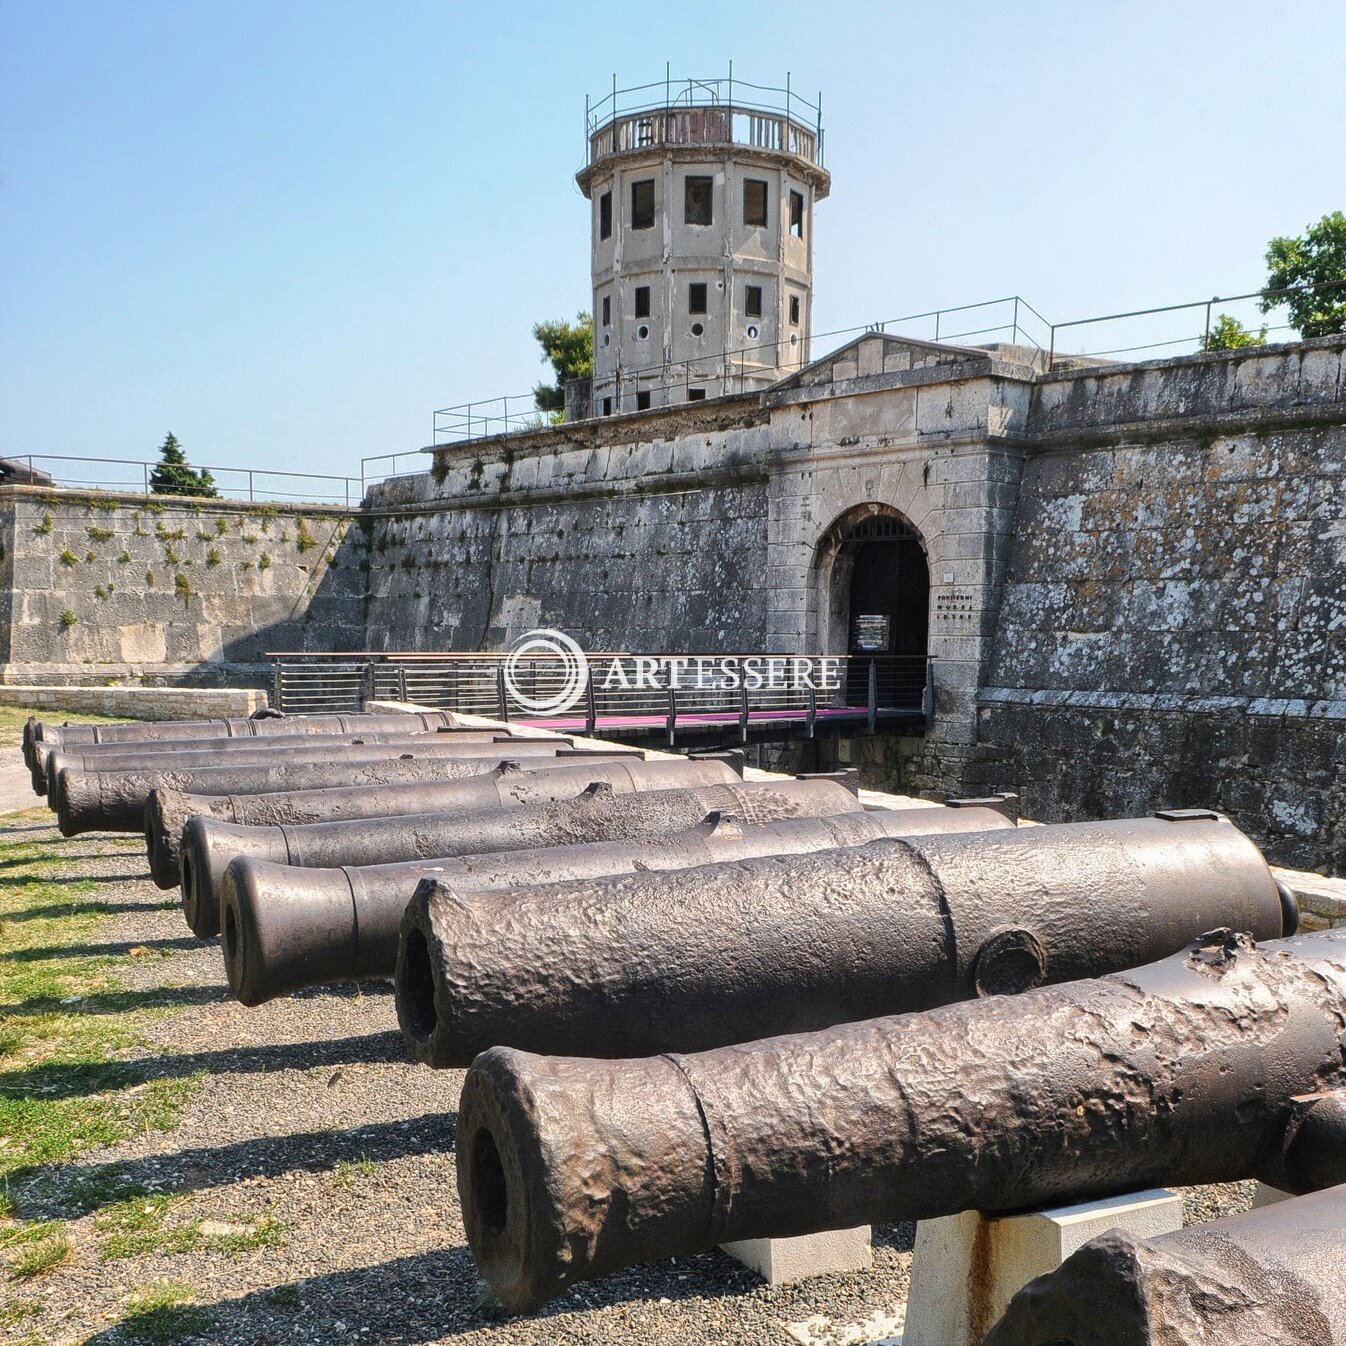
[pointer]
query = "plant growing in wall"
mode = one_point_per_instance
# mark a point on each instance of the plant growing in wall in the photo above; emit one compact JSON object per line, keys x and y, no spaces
{"x":124,"y":558}
{"x":68,"y":558}
{"x":221,"y":525}
{"x":263,"y":562}
{"x":213,"y":557}
{"x":183,"y":588}
{"x":45,"y":527}
{"x":149,"y":579}
{"x":97,"y":534}
{"x":304,"y":540}
{"x":171,"y":556}
{"x":68,"y":619}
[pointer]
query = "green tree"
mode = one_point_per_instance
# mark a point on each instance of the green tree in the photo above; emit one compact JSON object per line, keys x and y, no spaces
{"x":1316,"y":260}
{"x":570,"y":348}
{"x":1229,"y":334}
{"x":174,"y":477}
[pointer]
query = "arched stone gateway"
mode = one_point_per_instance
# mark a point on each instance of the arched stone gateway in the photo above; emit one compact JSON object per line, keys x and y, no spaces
{"x":872,"y":584}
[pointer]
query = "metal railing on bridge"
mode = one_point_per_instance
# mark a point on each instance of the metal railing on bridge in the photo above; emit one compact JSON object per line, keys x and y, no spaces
{"x":625,"y":695}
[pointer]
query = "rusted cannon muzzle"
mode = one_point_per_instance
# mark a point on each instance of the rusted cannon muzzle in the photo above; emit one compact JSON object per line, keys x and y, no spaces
{"x":114,"y":801}
{"x":516,"y":784}
{"x":697,"y":958}
{"x":1273,"y":1275}
{"x":290,"y":920}
{"x":1181,"y":1072}
{"x":630,"y":805}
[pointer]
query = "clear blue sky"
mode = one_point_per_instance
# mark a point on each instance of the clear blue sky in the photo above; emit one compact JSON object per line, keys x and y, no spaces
{"x":288,"y":230}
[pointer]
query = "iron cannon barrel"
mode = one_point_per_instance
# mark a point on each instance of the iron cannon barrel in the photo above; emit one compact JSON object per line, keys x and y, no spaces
{"x":262,"y":752}
{"x":1181,"y":1072}
{"x":698,"y":958}
{"x":1276,"y":1273}
{"x":510,"y":784}
{"x":627,"y":808}
{"x":114,"y":801}
{"x":174,"y":752}
{"x":56,"y":735}
{"x":285,"y":928}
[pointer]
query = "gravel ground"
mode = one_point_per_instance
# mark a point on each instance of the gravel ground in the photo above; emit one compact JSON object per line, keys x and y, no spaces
{"x":305,"y":1111}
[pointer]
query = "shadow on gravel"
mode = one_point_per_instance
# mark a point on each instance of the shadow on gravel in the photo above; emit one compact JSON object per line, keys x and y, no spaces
{"x":67,"y":1190}
{"x":94,"y":905}
{"x":71,"y":1081}
{"x":119,"y":1002}
{"x":411,"y":1301}
{"x":120,"y":947}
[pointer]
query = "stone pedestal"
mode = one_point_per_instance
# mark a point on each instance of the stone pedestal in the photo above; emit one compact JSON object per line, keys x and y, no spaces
{"x":966,"y":1268}
{"x":780,"y":1261}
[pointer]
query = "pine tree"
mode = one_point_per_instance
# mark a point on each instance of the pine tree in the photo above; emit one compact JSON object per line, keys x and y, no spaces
{"x":174,"y":477}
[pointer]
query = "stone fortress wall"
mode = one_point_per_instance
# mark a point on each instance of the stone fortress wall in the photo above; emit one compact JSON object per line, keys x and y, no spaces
{"x":1137,"y":573}
{"x":100,"y":586}
{"x":1173,"y":621}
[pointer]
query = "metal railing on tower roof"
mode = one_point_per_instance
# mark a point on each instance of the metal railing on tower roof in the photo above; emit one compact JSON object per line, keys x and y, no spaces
{"x":704,"y":111}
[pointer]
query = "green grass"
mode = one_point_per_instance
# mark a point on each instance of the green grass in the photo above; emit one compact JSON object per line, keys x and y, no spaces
{"x":39,"y":1258}
{"x":268,"y":1232}
{"x":14,"y":1311}
{"x":65,"y":1018}
{"x":144,"y":1224}
{"x":347,"y":1174}
{"x":164,"y":1311}
{"x":15,"y":1236}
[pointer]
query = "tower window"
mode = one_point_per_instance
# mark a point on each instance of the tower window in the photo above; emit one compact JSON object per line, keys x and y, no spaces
{"x":696,"y":394}
{"x":794,"y":310}
{"x":754,"y":203}
{"x":797,"y":214}
{"x":642,"y":204}
{"x":696,"y":297}
{"x":607,"y":406}
{"x":697,"y":200}
{"x":752,"y":301}
{"x":642,"y":301}
{"x":607,"y":310}
{"x":605,"y":215}
{"x":643,"y":400}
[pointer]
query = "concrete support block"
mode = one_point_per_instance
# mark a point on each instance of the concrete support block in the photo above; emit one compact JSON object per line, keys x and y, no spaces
{"x":966,"y":1268}
{"x":781,"y":1261}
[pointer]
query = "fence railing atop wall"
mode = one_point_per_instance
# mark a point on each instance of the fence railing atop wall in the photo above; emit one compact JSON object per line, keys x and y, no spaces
{"x":1170,"y":329}
{"x":1011,"y":320}
{"x":134,"y":476}
{"x":793,"y":694}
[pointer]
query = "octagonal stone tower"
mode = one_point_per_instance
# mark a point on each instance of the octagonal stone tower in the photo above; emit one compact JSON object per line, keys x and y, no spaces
{"x":702,"y":196}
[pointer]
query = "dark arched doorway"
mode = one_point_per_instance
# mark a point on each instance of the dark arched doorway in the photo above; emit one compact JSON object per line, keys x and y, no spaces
{"x":888,"y":604}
